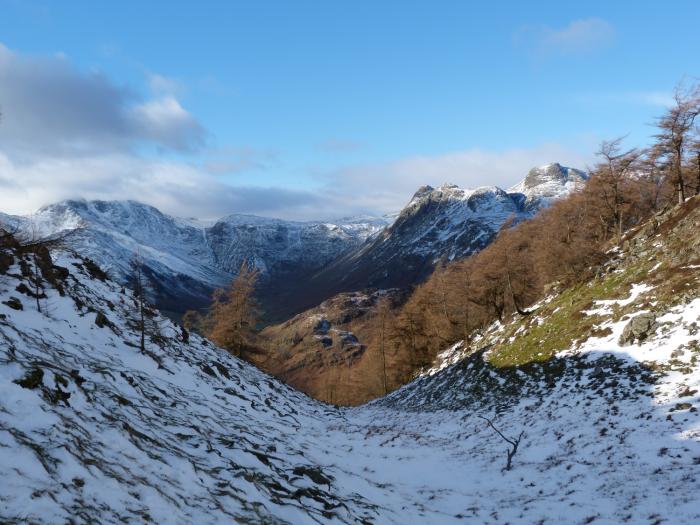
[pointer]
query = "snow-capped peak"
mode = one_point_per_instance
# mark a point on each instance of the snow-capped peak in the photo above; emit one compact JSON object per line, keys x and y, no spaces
{"x":547,"y":183}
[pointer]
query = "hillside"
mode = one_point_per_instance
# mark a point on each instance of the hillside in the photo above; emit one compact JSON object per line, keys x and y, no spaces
{"x":186,"y":433}
{"x":330,"y":352}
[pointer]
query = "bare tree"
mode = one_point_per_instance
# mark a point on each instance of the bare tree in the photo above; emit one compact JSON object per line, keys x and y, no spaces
{"x":612,"y":176}
{"x":138,"y":283}
{"x":513,"y":442}
{"x":675,"y":126}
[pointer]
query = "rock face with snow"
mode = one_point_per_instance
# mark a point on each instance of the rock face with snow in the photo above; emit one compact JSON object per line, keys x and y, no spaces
{"x":92,"y":429}
{"x":545,"y":184}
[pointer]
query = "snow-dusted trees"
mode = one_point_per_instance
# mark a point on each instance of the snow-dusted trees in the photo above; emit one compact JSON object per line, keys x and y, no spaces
{"x":231,"y":320}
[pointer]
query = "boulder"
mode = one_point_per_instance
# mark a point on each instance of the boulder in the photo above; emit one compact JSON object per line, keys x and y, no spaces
{"x":638,"y":329}
{"x":14,"y":303}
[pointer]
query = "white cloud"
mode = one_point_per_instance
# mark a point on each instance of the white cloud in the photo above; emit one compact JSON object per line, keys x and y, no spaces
{"x":51,"y":108}
{"x":578,"y":37}
{"x":69,"y":134}
{"x":388,"y":186}
{"x":232,"y":160}
{"x":186,"y":190}
{"x":175,"y":188}
{"x":162,"y":85}
{"x":166,"y":122}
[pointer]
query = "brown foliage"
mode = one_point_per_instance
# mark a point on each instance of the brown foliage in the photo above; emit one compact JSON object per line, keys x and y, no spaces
{"x":231,"y":321}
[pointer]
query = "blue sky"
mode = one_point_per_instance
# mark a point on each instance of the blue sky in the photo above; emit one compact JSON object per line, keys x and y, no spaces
{"x":313,"y":109}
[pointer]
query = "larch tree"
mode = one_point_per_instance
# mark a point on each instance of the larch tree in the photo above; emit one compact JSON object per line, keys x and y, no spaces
{"x":382,"y":315}
{"x":233,"y":316}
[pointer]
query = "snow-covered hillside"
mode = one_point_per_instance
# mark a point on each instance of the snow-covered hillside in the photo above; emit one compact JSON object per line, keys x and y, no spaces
{"x":93,"y":430}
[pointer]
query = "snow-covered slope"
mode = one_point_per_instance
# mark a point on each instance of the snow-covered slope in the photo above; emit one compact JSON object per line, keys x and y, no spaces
{"x":93,"y":430}
{"x":186,"y":258}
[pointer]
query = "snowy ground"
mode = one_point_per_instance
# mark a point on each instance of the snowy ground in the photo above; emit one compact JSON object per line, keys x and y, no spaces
{"x":99,"y":432}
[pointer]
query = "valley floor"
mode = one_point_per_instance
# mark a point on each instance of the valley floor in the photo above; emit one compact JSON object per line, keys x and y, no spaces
{"x":93,"y":430}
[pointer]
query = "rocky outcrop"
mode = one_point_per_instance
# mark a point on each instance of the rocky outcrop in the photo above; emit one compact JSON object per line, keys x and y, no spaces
{"x":639,"y":328}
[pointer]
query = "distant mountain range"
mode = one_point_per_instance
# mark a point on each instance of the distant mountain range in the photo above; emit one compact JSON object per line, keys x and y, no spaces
{"x":302,"y":263}
{"x":186,"y":258}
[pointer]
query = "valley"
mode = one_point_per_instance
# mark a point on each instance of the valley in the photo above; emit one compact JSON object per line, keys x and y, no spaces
{"x":187,"y":430}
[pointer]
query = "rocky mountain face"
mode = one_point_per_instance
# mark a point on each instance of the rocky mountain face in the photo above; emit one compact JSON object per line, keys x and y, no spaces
{"x":186,"y":259}
{"x":607,"y":425}
{"x":545,"y":184}
{"x":438,"y":224}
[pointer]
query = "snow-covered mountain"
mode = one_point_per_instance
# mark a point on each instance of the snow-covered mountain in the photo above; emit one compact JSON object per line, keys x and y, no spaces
{"x":94,"y":430}
{"x":545,"y":184}
{"x":186,"y":258}
{"x":441,"y":223}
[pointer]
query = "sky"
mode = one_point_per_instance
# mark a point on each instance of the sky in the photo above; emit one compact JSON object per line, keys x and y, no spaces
{"x":318,"y":110}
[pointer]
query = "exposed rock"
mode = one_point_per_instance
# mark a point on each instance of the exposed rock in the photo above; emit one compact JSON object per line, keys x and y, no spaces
{"x":14,"y":303}
{"x":101,"y":320}
{"x":32,"y":379}
{"x":638,"y":329}
{"x":322,"y":327}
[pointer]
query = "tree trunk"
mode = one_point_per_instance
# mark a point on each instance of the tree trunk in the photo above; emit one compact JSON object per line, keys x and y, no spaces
{"x":381,"y":349}
{"x":143,"y":325}
{"x":512,"y":297}
{"x":37,"y":284}
{"x":680,"y":183}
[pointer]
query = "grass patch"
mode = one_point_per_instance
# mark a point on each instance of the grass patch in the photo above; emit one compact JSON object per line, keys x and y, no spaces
{"x":563,"y":324}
